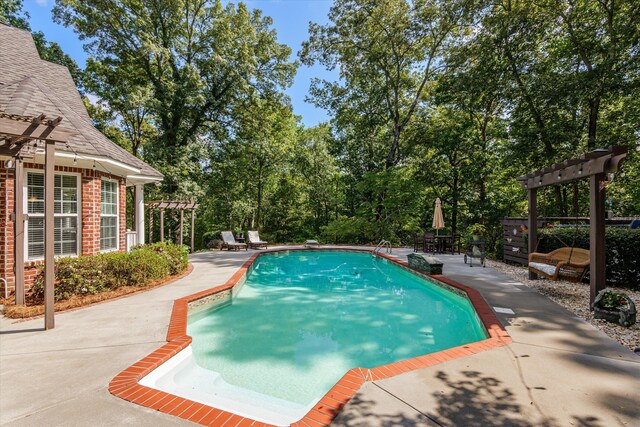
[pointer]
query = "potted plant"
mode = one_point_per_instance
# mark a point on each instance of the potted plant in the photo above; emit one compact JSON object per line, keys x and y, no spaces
{"x":477,"y":231}
{"x":614,"y":307}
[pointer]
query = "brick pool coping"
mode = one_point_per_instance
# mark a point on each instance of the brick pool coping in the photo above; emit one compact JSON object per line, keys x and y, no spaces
{"x":125,"y":385}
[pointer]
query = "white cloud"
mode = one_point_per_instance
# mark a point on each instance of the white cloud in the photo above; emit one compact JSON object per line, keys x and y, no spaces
{"x":42,"y":2}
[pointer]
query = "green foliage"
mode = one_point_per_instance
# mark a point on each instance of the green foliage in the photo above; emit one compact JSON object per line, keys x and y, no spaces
{"x":613,"y":300}
{"x":87,"y":275}
{"x":622,"y":246}
{"x":11,"y":13}
{"x":448,"y":99}
{"x":350,"y":231}
{"x":477,"y":230}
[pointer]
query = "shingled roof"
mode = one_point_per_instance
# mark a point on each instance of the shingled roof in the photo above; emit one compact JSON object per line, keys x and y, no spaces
{"x":30,"y":86}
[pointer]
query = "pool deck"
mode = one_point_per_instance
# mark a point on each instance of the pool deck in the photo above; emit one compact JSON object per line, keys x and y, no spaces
{"x":558,"y":370}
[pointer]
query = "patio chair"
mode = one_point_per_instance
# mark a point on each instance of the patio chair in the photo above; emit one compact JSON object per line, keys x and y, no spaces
{"x":254,"y":240}
{"x":230,"y":242}
{"x":430,"y":244}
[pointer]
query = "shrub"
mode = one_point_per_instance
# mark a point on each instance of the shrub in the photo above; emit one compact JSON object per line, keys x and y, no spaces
{"x":622,"y":250}
{"x":349,"y":230}
{"x":86,"y":275}
{"x":209,"y":238}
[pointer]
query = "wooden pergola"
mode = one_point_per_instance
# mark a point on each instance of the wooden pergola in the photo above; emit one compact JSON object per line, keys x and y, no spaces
{"x":595,"y":166}
{"x":16,"y":134}
{"x":182,"y":206}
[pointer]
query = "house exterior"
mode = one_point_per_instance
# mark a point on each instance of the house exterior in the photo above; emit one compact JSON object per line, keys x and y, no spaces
{"x":91,"y":172}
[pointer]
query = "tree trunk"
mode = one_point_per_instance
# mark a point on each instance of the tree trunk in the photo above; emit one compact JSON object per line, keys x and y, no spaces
{"x":454,"y":203}
{"x":260,"y":185}
{"x":594,"y":111}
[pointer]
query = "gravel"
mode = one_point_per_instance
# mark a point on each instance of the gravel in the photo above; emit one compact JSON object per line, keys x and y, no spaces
{"x":575,"y":297}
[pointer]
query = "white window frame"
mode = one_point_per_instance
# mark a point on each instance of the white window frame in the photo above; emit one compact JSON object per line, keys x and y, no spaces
{"x":78,"y":213}
{"x":117,"y":215}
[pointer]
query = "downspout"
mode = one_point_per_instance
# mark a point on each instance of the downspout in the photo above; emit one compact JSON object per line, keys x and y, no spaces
{"x":6,"y":288}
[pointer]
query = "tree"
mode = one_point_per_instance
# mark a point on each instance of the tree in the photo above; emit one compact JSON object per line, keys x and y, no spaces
{"x":12,"y":13}
{"x":199,"y":59}
{"x":128,"y":99}
{"x":387,"y":52}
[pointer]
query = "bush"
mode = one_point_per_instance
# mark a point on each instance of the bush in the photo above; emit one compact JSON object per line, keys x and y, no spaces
{"x":622,"y":250}
{"x":209,"y":238}
{"x":349,"y":230}
{"x":86,"y":275}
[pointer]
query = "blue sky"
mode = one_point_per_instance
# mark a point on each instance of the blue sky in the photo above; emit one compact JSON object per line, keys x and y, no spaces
{"x":290,"y":19}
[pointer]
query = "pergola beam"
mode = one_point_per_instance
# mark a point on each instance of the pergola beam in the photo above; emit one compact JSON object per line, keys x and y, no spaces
{"x":593,"y":163}
{"x":172,"y":205}
{"x":43,"y":130}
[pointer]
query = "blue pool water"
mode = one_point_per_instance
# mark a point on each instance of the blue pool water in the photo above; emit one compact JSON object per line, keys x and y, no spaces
{"x":304,"y":318}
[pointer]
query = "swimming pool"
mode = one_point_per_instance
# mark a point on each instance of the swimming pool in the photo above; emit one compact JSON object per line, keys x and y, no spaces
{"x":300,"y":321}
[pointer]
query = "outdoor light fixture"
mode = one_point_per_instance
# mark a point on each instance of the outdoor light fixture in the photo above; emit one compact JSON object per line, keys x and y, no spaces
{"x":559,"y":175}
{"x":580,"y":170}
{"x":9,"y":163}
{"x":75,"y":160}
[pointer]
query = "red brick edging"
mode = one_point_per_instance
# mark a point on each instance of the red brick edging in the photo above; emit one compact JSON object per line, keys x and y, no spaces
{"x":125,"y":384}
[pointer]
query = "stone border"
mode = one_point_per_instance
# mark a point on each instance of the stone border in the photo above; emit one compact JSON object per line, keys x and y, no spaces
{"x":125,"y":384}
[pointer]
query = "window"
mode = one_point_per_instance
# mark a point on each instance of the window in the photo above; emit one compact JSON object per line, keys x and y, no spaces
{"x":109,"y":216}
{"x":65,"y":215}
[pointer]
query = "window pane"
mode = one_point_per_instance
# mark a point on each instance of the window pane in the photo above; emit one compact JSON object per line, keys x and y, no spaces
{"x":65,"y":193}
{"x":65,"y":236}
{"x":108,"y":233}
{"x":109,"y":198}
{"x":35,"y":245}
{"x":35,"y":193}
{"x":66,"y":232}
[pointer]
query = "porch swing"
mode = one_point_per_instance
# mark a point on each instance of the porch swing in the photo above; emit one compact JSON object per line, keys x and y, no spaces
{"x":568,"y":262}
{"x":595,"y":166}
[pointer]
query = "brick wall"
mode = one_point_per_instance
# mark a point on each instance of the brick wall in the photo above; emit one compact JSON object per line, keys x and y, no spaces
{"x":6,"y":225}
{"x":91,"y":187}
{"x":89,"y":219}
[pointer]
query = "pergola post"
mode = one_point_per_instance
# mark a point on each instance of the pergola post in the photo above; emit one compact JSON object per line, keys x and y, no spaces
{"x":181,"y":225}
{"x":597,"y":275}
{"x":49,"y":252}
{"x":18,"y":228}
{"x":193,"y":223}
{"x":139,"y":213}
{"x":533,"y":225}
{"x":162,"y":224}
{"x":150,"y":224}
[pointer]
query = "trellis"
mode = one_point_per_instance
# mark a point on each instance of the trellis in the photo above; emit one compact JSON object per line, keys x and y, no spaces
{"x":595,"y":165}
{"x":182,"y":206}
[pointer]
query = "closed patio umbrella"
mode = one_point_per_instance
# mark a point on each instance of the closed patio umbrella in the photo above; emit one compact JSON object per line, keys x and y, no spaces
{"x":438,"y":220}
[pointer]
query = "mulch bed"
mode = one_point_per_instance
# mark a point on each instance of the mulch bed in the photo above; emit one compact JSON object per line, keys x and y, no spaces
{"x":31,"y":310}
{"x":575,"y":298}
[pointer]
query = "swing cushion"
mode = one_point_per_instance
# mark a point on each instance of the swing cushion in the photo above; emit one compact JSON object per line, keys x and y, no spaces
{"x":547,"y":269}
{"x":571,"y":263}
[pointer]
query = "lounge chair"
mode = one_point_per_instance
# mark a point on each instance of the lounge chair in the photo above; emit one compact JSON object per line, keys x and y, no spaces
{"x":309,"y":243}
{"x":230,"y":241}
{"x":254,"y":240}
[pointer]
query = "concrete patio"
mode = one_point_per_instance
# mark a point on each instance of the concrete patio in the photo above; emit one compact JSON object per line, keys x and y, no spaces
{"x":558,"y":371}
